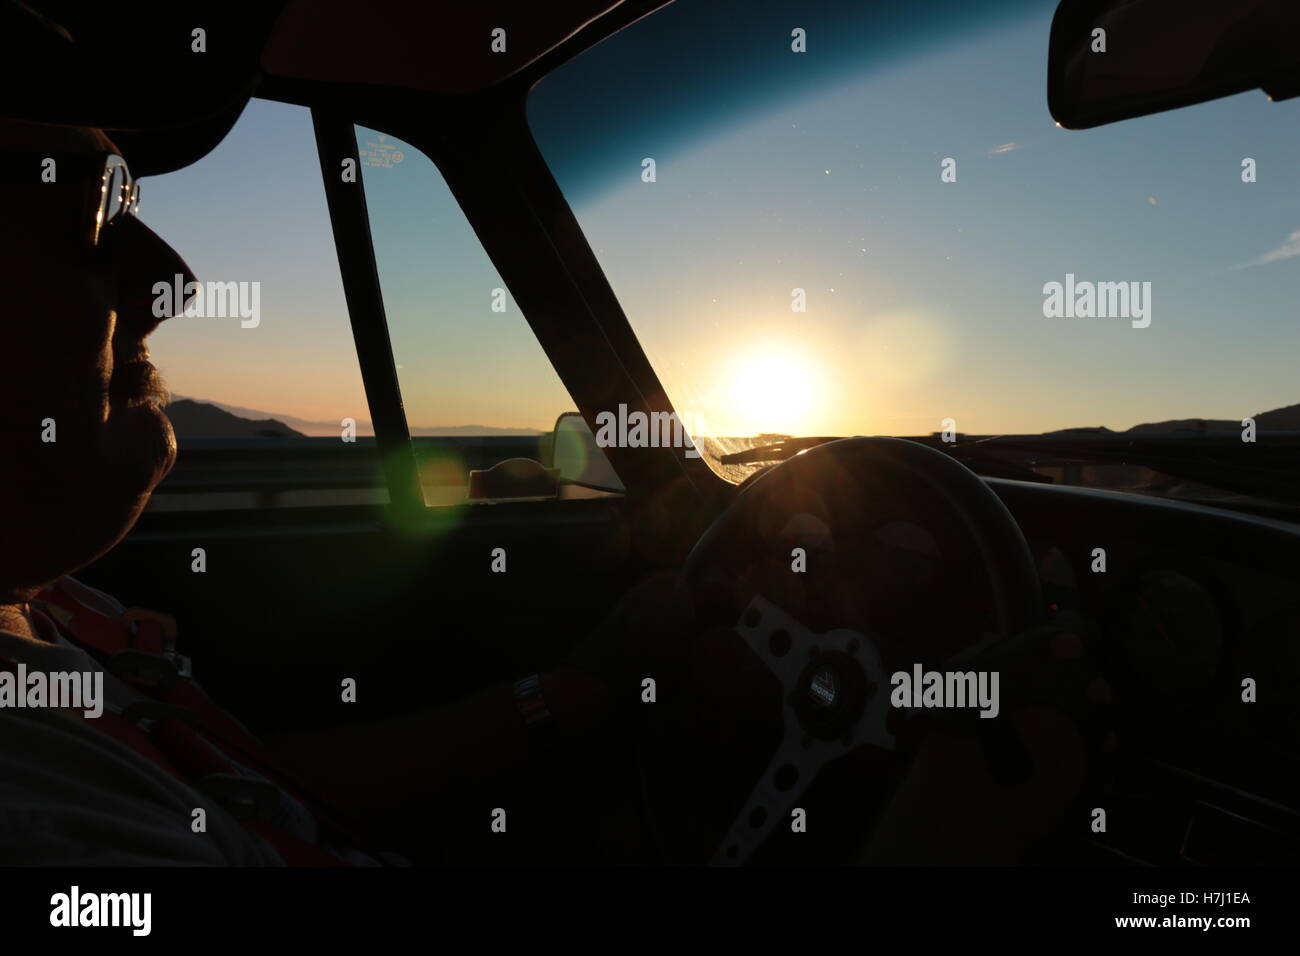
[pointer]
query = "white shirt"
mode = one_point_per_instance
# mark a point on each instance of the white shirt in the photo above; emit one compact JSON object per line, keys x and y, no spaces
{"x":72,"y":795}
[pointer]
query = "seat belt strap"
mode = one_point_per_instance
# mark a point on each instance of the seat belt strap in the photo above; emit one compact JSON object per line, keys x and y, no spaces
{"x":139,"y":647}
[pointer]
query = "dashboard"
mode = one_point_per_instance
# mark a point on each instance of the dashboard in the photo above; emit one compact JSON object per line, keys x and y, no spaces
{"x":1195,"y":615}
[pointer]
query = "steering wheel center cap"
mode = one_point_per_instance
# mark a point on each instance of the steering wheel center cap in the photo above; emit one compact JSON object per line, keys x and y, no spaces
{"x":824,"y":689}
{"x":830,"y":695}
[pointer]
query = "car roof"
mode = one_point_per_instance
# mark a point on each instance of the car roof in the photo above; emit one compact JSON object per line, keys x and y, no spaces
{"x":167,"y":104}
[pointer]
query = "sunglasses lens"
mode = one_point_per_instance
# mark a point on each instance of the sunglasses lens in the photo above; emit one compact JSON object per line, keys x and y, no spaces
{"x":115,"y":199}
{"x":120,"y":195}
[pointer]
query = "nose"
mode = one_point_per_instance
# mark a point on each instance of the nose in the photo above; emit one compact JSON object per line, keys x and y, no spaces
{"x":144,"y":260}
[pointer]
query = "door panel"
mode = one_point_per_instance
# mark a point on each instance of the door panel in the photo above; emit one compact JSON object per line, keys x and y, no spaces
{"x":290,"y":603}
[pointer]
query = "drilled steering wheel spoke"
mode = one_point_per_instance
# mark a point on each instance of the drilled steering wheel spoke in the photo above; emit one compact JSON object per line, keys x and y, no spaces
{"x":776,"y":794}
{"x":835,"y":698}
{"x":781,"y":642}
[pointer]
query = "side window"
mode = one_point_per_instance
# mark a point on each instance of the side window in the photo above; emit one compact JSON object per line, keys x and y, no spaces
{"x":262,"y":366}
{"x":486,"y":410}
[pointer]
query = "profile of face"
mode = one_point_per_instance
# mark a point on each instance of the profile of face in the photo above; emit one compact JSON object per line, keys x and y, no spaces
{"x":83,"y":435}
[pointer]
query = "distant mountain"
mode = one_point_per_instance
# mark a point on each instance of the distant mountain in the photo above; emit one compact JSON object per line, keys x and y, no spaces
{"x":302,"y":426}
{"x":1279,"y":419}
{"x":196,"y":418}
{"x":317,"y":429}
{"x":191,"y":419}
{"x":1200,"y":426}
{"x":1082,"y":430}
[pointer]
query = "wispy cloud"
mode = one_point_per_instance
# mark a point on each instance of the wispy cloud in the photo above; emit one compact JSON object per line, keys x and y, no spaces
{"x":1004,"y":148}
{"x":1287,"y":250}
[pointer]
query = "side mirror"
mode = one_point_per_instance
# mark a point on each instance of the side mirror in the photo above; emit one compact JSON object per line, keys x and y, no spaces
{"x":571,"y":450}
{"x":1111,"y":60}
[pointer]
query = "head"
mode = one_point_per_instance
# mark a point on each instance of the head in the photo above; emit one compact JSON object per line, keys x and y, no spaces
{"x":75,"y":318}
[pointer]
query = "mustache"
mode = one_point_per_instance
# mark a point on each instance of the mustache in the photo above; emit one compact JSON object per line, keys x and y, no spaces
{"x":137,"y":382}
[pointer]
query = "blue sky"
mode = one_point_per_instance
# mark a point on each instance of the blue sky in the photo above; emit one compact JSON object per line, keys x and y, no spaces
{"x":254,"y":210}
{"x":924,"y":298}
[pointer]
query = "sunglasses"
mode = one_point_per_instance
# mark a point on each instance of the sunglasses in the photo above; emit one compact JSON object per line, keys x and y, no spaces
{"x":98,"y":185}
{"x":119,"y":194}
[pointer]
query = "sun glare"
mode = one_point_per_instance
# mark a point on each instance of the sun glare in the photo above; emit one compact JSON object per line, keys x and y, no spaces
{"x":771,"y":389}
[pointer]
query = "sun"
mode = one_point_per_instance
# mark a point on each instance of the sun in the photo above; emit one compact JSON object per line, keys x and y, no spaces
{"x":771,"y":389}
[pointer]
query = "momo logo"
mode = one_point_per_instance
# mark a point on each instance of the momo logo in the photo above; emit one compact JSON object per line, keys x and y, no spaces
{"x":1102,"y":300}
{"x":626,"y":429}
{"x":822,"y":689}
{"x":946,"y":689}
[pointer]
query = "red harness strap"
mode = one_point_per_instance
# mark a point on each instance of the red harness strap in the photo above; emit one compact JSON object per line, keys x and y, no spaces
{"x":188,"y":728}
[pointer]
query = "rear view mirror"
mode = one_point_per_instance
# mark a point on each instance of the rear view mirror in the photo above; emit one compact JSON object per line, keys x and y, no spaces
{"x":1110,"y":60}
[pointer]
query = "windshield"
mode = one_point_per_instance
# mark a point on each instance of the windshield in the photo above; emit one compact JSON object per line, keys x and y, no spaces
{"x":848,"y":221}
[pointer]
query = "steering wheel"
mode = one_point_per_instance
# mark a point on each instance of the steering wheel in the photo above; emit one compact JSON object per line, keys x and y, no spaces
{"x":824,"y":575}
